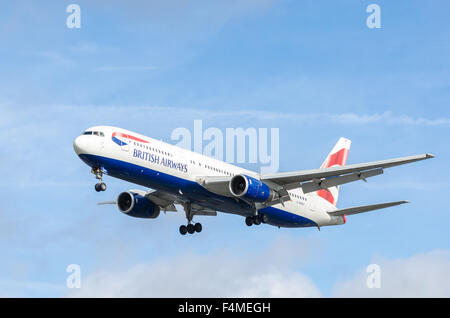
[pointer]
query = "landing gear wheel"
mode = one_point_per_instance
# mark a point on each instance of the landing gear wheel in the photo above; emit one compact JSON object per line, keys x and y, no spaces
{"x":190,"y":228}
{"x":263,"y":218}
{"x":256,"y":220}
{"x":100,"y":187}
{"x":249,"y":221}
{"x":198,"y":227}
{"x":183,"y":229}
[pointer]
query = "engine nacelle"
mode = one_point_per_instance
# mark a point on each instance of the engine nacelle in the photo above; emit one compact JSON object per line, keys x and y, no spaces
{"x":250,"y":188}
{"x":137,"y":206}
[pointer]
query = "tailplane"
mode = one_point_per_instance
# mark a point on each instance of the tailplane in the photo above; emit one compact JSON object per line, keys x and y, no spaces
{"x":337,"y":157}
{"x":365,"y":208}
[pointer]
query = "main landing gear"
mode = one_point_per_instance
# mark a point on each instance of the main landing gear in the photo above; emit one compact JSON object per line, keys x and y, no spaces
{"x":101,"y":186}
{"x":189,"y":228}
{"x":255,"y":219}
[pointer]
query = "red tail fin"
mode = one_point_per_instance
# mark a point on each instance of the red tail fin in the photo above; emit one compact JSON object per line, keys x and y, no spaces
{"x":337,"y":157}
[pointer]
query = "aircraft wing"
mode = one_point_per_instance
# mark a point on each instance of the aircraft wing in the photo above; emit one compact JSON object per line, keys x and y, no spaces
{"x":342,"y":174}
{"x":313,"y":180}
{"x":164,"y":200}
{"x":216,"y":184}
{"x":365,"y":208}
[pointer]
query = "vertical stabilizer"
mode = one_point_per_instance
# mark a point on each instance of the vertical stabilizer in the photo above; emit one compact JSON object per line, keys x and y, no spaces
{"x":337,"y":157}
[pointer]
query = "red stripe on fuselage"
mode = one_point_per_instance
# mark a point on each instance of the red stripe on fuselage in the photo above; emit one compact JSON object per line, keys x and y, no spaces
{"x":129,"y":137}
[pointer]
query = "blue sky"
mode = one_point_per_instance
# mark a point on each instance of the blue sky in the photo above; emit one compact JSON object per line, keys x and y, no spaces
{"x":310,"y":68}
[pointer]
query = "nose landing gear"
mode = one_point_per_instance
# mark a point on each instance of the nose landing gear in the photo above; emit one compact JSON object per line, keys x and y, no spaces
{"x":101,"y":186}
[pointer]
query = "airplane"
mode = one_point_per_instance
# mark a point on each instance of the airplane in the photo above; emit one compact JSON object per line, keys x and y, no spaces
{"x":204,"y":186}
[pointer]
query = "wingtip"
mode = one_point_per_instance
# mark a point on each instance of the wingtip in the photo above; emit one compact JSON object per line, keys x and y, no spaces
{"x":429,"y":155}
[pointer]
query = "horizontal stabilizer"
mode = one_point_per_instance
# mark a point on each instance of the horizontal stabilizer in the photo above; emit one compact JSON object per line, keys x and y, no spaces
{"x":365,"y":208}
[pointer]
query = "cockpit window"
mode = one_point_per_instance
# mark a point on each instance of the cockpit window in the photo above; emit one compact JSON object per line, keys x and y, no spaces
{"x":95,"y":133}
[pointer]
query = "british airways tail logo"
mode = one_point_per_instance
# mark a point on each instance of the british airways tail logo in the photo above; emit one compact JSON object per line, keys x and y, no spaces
{"x":117,"y":138}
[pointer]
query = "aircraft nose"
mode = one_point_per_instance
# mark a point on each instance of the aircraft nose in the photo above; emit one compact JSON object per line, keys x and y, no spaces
{"x":78,"y":145}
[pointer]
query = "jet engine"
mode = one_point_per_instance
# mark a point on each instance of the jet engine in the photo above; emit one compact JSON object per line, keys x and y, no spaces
{"x":137,"y":206}
{"x":249,"y":188}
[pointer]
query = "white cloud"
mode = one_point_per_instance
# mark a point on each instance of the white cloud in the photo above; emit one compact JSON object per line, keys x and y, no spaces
{"x":422,"y":275}
{"x":197,"y":276}
{"x":218,"y":274}
{"x":278,"y":284}
{"x":230,"y":275}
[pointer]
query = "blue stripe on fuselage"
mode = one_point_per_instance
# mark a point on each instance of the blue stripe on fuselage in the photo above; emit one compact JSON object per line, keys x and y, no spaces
{"x":193,"y":191}
{"x":118,"y":141}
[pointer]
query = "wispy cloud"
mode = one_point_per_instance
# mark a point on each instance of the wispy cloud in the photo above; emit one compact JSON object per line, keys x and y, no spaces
{"x":385,"y":118}
{"x":125,"y":68}
{"x":20,"y":288}
{"x":53,"y":57}
{"x":85,"y":47}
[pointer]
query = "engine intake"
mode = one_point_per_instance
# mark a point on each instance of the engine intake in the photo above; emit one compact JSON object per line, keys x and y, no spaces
{"x":137,"y":206}
{"x":250,"y":188}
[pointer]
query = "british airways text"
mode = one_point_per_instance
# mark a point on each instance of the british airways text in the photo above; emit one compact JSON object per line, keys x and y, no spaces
{"x":150,"y":157}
